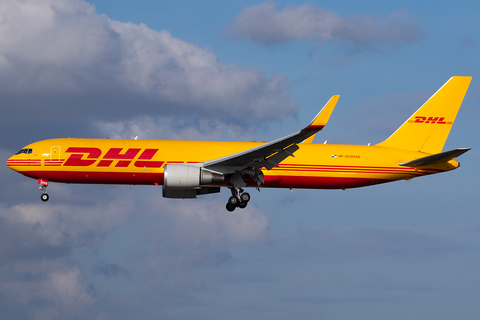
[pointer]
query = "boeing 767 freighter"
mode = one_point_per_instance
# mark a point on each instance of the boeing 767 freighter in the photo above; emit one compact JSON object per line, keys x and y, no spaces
{"x":187,"y":169}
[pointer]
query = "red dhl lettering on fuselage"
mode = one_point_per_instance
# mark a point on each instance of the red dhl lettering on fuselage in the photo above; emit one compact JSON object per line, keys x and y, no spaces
{"x":431,"y":120}
{"x":78,"y":158}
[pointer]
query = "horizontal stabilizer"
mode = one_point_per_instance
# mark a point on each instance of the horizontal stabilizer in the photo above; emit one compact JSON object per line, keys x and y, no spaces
{"x":435,"y":158}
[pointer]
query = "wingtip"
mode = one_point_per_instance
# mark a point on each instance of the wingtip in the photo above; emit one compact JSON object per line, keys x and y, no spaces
{"x":323,"y":116}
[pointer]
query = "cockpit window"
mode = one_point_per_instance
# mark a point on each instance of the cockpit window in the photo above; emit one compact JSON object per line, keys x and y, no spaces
{"x":25,"y":151}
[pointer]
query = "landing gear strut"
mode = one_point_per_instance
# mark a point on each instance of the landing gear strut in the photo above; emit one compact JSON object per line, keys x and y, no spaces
{"x":238,"y":199}
{"x":43,"y":186}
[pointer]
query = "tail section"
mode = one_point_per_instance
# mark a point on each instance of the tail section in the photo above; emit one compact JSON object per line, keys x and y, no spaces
{"x":428,"y":128}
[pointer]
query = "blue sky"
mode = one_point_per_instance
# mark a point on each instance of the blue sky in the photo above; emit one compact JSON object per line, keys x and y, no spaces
{"x":236,"y":70}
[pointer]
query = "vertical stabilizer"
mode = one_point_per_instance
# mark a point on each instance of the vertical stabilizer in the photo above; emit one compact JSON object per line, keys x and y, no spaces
{"x":428,"y":128}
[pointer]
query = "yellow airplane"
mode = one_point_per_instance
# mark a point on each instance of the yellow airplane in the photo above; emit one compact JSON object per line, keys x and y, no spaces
{"x":187,"y":169}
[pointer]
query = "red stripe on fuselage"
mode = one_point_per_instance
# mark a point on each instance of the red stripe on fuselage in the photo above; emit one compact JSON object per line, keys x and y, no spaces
{"x":144,"y":178}
{"x":302,"y":182}
{"x":140,"y":178}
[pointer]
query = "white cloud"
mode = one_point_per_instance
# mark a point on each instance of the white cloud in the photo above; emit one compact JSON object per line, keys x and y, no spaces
{"x":208,"y":223}
{"x":187,"y":236}
{"x":59,"y":225}
{"x":146,"y":127}
{"x":56,"y":290}
{"x":265,"y":24}
{"x":68,"y":288}
{"x":53,"y":32}
{"x":82,"y":63}
{"x":40,"y":245}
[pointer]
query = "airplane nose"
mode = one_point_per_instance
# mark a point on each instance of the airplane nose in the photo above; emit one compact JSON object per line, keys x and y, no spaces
{"x":9,"y":162}
{"x":12,"y":163}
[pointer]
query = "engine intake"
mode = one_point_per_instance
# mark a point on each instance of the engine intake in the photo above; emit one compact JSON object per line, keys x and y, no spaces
{"x":189,"y":176}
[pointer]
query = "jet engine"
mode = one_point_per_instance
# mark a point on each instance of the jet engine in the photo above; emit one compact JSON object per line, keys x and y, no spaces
{"x":187,"y":176}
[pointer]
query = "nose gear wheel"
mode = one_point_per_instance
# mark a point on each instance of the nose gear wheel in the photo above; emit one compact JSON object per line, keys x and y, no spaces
{"x":44,"y":195}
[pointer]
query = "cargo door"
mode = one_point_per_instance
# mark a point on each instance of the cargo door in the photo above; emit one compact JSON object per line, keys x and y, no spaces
{"x":55,"y":154}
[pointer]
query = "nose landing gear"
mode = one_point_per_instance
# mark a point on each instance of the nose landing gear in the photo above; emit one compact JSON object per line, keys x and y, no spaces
{"x":43,"y":186}
{"x":238,"y":199}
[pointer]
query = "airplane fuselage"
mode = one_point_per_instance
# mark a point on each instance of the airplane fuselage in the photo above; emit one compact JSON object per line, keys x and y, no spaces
{"x":142,"y":162}
{"x":187,"y":169}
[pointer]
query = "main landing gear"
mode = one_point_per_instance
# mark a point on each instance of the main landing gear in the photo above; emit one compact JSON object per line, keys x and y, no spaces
{"x":238,"y":199}
{"x":43,"y":186}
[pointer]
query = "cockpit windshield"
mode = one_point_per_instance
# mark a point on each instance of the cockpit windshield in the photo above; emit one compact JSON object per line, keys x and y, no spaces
{"x":26,"y":151}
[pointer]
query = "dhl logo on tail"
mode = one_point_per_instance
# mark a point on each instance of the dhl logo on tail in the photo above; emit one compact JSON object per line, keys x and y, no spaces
{"x":432,"y":120}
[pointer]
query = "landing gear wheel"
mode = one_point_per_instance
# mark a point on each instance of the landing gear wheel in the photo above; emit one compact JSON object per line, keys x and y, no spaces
{"x":238,"y":199}
{"x":242,"y":205}
{"x":245,"y":197}
{"x":233,"y":201}
{"x":44,"y":197}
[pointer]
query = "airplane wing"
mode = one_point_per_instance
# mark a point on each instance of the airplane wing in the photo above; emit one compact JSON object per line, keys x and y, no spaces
{"x":435,"y":158}
{"x":271,"y":154}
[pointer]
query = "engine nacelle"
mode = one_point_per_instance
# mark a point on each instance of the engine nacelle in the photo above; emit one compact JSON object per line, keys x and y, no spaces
{"x":189,"y":176}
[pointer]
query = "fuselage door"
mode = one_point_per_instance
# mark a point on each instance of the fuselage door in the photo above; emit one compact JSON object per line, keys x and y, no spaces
{"x":55,"y":153}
